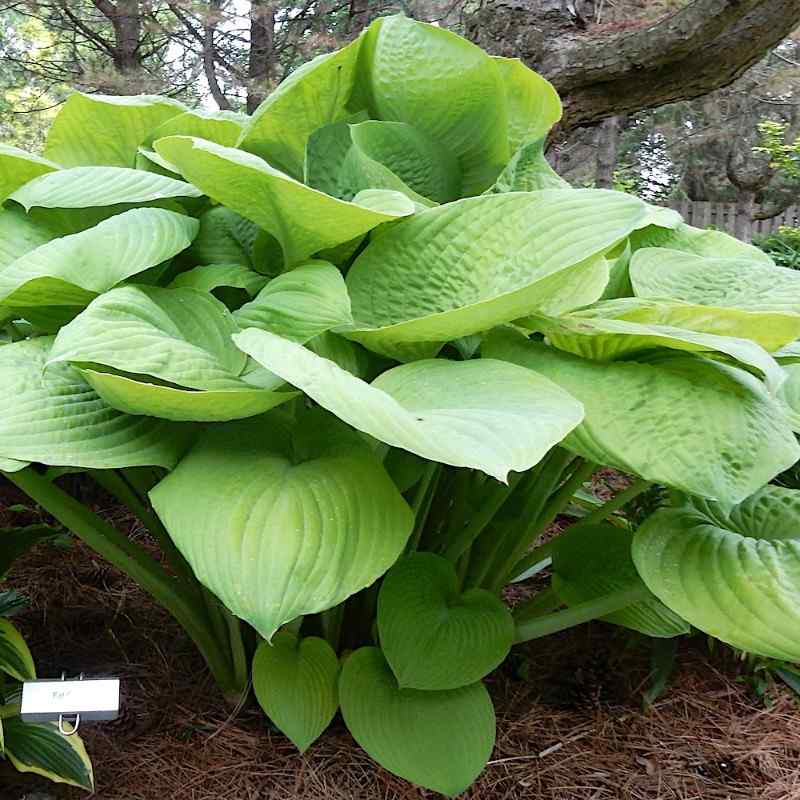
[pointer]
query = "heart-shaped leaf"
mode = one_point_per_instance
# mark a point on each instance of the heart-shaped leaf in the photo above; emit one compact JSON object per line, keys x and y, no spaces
{"x":434,"y":637}
{"x":278,"y":525}
{"x":439,"y":740}
{"x":731,"y":570}
{"x":296,"y":683}
{"x":480,"y":413}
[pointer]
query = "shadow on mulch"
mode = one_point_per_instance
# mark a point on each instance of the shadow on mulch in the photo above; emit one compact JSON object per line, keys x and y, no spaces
{"x":570,"y":724}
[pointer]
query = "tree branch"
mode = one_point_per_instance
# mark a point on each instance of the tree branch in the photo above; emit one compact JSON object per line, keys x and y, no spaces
{"x":704,"y":46}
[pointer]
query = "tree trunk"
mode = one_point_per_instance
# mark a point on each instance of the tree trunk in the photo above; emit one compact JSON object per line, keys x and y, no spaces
{"x":703,"y":46}
{"x":262,"y":31}
{"x":127,"y":30}
{"x":209,"y":56}
{"x":607,"y":148}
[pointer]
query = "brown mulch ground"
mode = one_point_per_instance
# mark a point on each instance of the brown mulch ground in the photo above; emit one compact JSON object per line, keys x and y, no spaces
{"x":570,"y":722}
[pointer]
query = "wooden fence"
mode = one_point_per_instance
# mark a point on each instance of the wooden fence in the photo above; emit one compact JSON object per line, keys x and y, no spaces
{"x":722,"y":216}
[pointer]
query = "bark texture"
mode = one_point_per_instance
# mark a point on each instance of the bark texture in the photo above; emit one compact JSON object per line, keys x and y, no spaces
{"x":704,"y":46}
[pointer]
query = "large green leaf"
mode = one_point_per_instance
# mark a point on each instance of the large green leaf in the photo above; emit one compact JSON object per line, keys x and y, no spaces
{"x":208,"y":277}
{"x":528,"y":171}
{"x":15,"y":657}
{"x":89,"y":187}
{"x":105,"y":129}
{"x":467,"y":266}
{"x":604,"y":339}
{"x":789,"y":395}
{"x":225,"y":237}
{"x":71,"y":270}
{"x":343,"y":160}
{"x":433,"y":636}
{"x":482,"y":414}
{"x":222,"y":127}
{"x":532,"y":103}
{"x":725,"y":282}
{"x":314,"y":95}
{"x":590,"y":561}
{"x":137,"y":395}
{"x":771,"y":329}
{"x":42,"y":750}
{"x":18,"y":167}
{"x":439,"y":740}
{"x":19,"y":234}
{"x":422,"y":163}
{"x":700,"y":242}
{"x":164,"y":353}
{"x":278,"y":526}
{"x":52,"y":416}
{"x":414,"y":71}
{"x":302,"y":219}
{"x":681,"y":420}
{"x":179,"y":336}
{"x":300,"y":304}
{"x":296,"y":683}
{"x":731,"y":570}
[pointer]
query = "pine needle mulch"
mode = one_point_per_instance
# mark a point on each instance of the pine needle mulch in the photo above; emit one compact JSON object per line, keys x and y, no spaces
{"x":570,"y":718}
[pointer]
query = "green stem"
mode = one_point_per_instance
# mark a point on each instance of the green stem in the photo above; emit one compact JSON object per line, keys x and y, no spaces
{"x":116,"y":482}
{"x":241,"y":670}
{"x":618,"y":501}
{"x":133,"y":561}
{"x":561,"y":499}
{"x":215,"y":615}
{"x":331,"y":621}
{"x":537,"y":627}
{"x":421,"y":504}
{"x":497,"y":496}
{"x":555,"y":505}
{"x":552,"y":468}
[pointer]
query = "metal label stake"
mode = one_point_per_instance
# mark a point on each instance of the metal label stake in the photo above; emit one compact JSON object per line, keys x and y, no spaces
{"x":70,"y":702}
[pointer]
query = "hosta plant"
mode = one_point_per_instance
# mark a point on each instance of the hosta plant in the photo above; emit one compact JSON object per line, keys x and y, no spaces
{"x":348,"y":359}
{"x":40,"y":748}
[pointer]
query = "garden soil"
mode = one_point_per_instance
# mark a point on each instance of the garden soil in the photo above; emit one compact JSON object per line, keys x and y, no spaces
{"x":571,"y":723}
